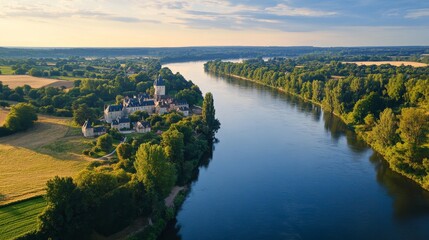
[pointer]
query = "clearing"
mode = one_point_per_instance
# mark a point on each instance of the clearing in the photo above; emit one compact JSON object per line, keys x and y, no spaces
{"x":53,"y":147}
{"x":393,"y":63}
{"x":35,"y":82}
{"x":19,"y":218}
{"x":6,"y":70}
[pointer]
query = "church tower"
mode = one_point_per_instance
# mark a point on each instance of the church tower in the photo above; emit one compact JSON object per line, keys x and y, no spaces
{"x":159,"y":87}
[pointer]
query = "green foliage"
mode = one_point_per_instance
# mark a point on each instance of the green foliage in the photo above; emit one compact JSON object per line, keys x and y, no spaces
{"x":209,"y":117}
{"x":64,"y":217}
{"x":105,"y":142}
{"x":384,"y":132}
{"x":124,"y":151}
{"x":413,"y":126}
{"x":370,"y":104}
{"x":83,"y":113}
{"x":21,"y":117}
{"x":154,"y":170}
{"x":172,"y":140}
{"x":395,"y":88}
{"x":369,"y":121}
{"x":115,"y":212}
{"x":35,"y":72}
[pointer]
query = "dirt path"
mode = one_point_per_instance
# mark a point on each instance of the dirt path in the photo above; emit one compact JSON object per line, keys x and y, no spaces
{"x":169,"y":201}
{"x":106,"y":157}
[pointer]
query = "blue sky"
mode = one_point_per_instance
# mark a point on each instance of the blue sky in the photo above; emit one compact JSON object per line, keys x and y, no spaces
{"x":214,"y":22}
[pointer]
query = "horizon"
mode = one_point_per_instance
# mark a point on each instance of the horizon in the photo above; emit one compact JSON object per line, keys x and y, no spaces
{"x":211,"y":46}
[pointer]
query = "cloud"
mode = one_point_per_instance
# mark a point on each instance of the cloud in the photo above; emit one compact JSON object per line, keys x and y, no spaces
{"x":417,"y":13}
{"x":286,"y":10}
{"x":50,"y":12}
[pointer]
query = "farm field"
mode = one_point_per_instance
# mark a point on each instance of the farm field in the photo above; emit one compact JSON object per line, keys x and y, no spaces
{"x":393,"y":63}
{"x":6,"y":70}
{"x":19,"y":218}
{"x":29,"y":159}
{"x":35,"y":82}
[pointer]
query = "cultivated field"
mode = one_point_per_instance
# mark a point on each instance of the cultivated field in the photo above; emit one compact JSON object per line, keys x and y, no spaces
{"x":393,"y":63}
{"x":28,"y":159}
{"x":35,"y":82}
{"x":20,"y":218}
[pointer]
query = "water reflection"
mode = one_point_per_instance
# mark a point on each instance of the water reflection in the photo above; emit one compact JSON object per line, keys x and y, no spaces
{"x":409,"y":200}
{"x":401,"y":201}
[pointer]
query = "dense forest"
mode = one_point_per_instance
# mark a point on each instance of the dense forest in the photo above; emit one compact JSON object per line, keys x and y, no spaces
{"x":387,"y":105}
{"x":180,"y":54}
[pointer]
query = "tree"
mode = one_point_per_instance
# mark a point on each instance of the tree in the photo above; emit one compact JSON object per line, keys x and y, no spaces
{"x":154,"y":170}
{"x":21,"y":117}
{"x":413,"y":126}
{"x":172,"y":140}
{"x":124,"y":151}
{"x":105,"y":142}
{"x":83,"y":113}
{"x":368,"y":104}
{"x":35,"y":72}
{"x":209,"y":117}
{"x":395,"y":87}
{"x":369,"y":120}
{"x":384,"y":132}
{"x":65,"y":216}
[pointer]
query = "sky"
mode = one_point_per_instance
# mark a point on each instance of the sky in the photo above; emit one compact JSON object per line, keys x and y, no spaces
{"x":171,"y":23}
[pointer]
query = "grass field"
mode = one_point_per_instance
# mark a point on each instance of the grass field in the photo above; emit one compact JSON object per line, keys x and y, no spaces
{"x":29,"y":159}
{"x":393,"y":63}
{"x":19,"y":218}
{"x":3,"y":115}
{"x":14,"y":81}
{"x":6,"y":70}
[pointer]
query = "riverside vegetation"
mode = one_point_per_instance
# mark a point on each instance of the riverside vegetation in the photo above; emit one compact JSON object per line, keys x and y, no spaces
{"x":109,"y":195}
{"x":386,"y":105}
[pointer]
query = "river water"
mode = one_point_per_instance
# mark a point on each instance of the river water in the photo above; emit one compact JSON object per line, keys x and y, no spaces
{"x":283,"y":169}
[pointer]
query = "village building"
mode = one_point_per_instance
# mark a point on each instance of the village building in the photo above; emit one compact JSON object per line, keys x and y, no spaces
{"x":113,"y":112}
{"x":142,"y":127}
{"x":183,"y":110}
{"x":139,"y":103}
{"x":90,"y":131}
{"x":178,"y":104}
{"x":121,"y":123}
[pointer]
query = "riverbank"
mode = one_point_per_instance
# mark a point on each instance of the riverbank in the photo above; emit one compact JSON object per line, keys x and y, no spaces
{"x":386,"y":153}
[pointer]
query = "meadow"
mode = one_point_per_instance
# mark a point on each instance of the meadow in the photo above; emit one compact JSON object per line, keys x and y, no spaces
{"x":28,"y":159}
{"x":14,"y":81}
{"x":6,"y":70}
{"x":19,"y":218}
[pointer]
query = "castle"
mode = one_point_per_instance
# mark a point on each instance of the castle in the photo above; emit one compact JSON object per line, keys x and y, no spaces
{"x":117,"y":115}
{"x":143,"y":102}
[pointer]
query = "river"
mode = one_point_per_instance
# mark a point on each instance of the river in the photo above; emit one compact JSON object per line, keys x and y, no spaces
{"x":283,"y":169}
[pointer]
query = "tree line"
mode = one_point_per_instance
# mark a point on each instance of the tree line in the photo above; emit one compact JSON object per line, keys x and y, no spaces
{"x":387,"y":105}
